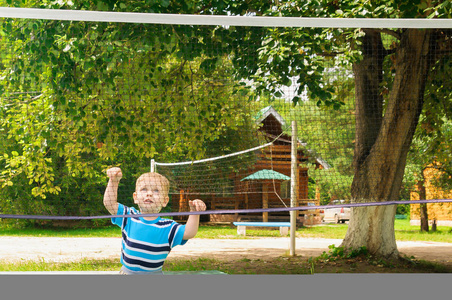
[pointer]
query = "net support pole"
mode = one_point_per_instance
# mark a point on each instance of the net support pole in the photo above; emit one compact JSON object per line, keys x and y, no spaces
{"x":152,"y":165}
{"x":293,"y":188}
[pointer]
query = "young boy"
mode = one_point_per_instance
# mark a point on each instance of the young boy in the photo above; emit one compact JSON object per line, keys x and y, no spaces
{"x":147,"y":241}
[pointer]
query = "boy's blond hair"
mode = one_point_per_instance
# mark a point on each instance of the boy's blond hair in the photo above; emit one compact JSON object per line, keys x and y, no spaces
{"x":164,"y":182}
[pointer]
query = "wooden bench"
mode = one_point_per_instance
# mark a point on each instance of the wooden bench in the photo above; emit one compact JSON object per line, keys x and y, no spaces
{"x":241,"y":226}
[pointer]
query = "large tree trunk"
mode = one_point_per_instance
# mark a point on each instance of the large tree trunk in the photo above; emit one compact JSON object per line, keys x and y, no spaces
{"x":383,"y":138}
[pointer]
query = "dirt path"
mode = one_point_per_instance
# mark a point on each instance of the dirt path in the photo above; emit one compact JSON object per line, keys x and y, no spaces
{"x":73,"y":249}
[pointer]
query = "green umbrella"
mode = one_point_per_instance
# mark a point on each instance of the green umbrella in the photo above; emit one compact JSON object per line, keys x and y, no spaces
{"x":266,"y":175}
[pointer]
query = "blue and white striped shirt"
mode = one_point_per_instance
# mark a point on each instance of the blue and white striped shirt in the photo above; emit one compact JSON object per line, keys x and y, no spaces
{"x":146,"y":244}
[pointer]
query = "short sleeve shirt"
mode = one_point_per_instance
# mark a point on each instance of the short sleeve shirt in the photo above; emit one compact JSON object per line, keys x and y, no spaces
{"x":146,"y":244}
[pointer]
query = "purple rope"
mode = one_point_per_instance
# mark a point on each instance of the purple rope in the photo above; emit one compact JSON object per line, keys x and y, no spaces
{"x":208,"y":212}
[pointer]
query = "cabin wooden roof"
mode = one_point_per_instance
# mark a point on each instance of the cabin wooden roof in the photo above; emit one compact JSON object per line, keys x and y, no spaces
{"x":273,"y":125}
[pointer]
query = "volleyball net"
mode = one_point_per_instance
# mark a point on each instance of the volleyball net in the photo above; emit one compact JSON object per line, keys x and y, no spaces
{"x":210,"y":102}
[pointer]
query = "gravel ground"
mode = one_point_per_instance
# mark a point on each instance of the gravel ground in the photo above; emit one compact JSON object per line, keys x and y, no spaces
{"x":73,"y":249}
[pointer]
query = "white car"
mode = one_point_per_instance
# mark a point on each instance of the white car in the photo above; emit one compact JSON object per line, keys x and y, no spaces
{"x":337,"y":214}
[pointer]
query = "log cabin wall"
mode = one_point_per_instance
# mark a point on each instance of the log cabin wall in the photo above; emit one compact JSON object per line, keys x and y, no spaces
{"x":441,"y":212}
{"x":277,"y":158}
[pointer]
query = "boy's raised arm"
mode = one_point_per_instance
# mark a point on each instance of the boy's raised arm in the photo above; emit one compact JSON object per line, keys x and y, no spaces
{"x":111,"y":192}
{"x":192,"y":225}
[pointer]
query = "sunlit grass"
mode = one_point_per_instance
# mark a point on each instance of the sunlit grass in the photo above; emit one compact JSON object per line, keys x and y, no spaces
{"x":43,"y":266}
{"x":172,"y":265}
{"x":403,"y":232}
{"x":110,"y":231}
{"x":200,"y":264}
{"x":406,"y":232}
{"x":278,"y":265}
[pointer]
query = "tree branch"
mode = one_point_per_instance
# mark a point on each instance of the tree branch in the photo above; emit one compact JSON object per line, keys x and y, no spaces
{"x":389,"y":32}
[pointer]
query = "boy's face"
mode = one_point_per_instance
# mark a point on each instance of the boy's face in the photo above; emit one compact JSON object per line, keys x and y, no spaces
{"x":151,"y":194}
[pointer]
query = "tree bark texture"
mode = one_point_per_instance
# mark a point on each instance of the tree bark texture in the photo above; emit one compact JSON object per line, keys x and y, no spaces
{"x":384,"y":132}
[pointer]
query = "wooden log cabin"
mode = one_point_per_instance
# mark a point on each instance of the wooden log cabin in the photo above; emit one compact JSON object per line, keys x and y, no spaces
{"x":441,"y":213}
{"x":267,"y":192}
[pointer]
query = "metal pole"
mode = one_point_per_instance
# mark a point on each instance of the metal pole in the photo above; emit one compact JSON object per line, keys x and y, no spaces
{"x":152,"y":165}
{"x":293,"y":187}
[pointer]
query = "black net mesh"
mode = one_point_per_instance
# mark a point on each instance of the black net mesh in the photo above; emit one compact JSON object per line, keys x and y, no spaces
{"x":78,"y":98}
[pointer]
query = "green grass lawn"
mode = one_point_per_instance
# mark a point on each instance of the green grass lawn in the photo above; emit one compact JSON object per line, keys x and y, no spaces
{"x":403,"y":232}
{"x":42,"y":266}
{"x":110,"y":231}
